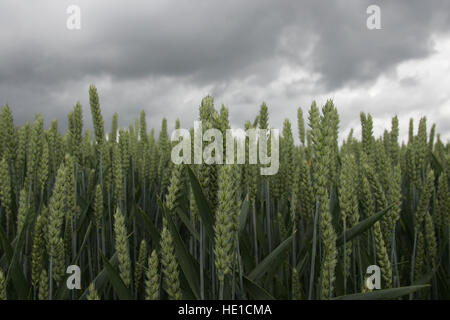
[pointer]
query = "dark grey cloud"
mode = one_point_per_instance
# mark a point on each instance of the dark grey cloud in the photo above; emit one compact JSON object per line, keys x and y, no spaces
{"x":164,"y":55}
{"x":348,"y":53}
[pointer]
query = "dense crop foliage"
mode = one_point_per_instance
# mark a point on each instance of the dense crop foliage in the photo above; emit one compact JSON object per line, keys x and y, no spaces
{"x":141,"y":227}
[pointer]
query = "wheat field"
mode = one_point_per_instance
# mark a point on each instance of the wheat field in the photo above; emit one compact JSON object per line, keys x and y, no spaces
{"x":140,"y":227}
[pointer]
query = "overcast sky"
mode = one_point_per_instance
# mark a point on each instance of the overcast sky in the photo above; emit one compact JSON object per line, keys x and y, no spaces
{"x":163,"y":56}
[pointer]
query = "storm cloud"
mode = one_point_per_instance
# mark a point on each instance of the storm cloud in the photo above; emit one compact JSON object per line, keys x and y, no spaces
{"x":163,"y":56}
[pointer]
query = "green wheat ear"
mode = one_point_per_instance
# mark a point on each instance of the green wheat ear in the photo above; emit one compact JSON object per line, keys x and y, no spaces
{"x":152,"y":278}
{"x":394,"y":148}
{"x":420,"y":257}
{"x":301,"y":126}
{"x":43,"y":172}
{"x":98,"y":209}
{"x":2,"y":286}
{"x":382,"y":255}
{"x":223,"y":227}
{"x":22,"y":211}
{"x":305,"y":193}
{"x":380,"y":199}
{"x":169,"y":264}
{"x":175,"y":190}
{"x":164,"y":165}
{"x":8,"y":149}
{"x":34,"y":149}
{"x":348,"y":202}
{"x":127,"y":149}
{"x":75,"y":131}
{"x":114,"y":125}
{"x":59,"y":261}
{"x":118,"y":177}
{"x":71,"y":186}
{"x":122,"y":247}
{"x":443,"y":195}
{"x":321,"y":132}
{"x":38,"y":250}
{"x":140,"y":264}
{"x":96,"y":115}
{"x":424,"y":201}
{"x":43,"y":286}
{"x":57,"y":211}
{"x":22,"y":145}
{"x":263,"y":116}
{"x":5,"y":191}
{"x":93,"y":294}
{"x":430,"y":236}
{"x":421,"y":146}
{"x":287,"y":161}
